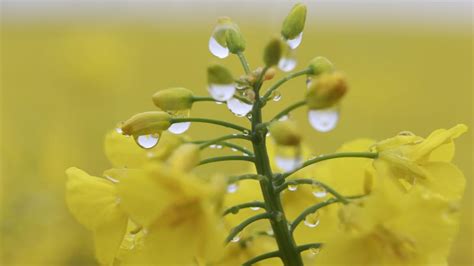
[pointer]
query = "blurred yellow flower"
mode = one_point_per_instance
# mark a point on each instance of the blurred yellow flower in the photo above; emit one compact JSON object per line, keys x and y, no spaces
{"x":426,"y":162}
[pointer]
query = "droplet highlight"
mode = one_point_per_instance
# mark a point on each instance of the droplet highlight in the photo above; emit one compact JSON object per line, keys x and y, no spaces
{"x":294,"y":43}
{"x":217,"y":49}
{"x":288,"y":163}
{"x":287,"y":64}
{"x":292,"y":187}
{"x":323,"y":120}
{"x":221,"y":92}
{"x":147,"y":141}
{"x":312,"y":220}
{"x":232,"y":188}
{"x":239,"y":108}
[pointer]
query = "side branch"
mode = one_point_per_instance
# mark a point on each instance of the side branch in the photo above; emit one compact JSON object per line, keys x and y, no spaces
{"x":369,"y":155}
{"x":209,"y":121}
{"x":236,"y":230}
{"x":283,"y":80}
{"x":290,"y":108}
{"x":235,"y":209}
{"x":304,"y":247}
{"x":308,"y":181}
{"x":226,"y":137}
{"x":227,"y":158}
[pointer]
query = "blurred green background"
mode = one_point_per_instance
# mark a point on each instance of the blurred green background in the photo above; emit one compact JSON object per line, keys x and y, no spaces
{"x":66,"y":82}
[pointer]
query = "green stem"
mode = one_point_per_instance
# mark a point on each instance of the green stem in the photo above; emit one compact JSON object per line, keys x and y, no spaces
{"x":205,"y":99}
{"x":234,"y":179}
{"x":265,"y":256}
{"x":369,"y":155}
{"x":285,"y":241}
{"x":283,"y":80}
{"x":227,"y":158}
{"x":208,"y":121}
{"x":237,"y":208}
{"x":304,"y":247}
{"x":244,"y":62}
{"x":236,"y":230}
{"x":288,"y":109}
{"x":226,"y":144}
{"x":308,"y":181}
{"x":226,"y":137}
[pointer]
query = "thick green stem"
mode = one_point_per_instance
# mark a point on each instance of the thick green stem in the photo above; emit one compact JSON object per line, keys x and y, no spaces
{"x":244,"y":62}
{"x":285,"y":241}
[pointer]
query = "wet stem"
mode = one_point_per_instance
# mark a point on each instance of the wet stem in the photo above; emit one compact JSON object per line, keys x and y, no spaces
{"x":288,"y":251}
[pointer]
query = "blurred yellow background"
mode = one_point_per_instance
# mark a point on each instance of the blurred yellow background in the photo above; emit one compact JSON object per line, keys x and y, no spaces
{"x":66,"y":82}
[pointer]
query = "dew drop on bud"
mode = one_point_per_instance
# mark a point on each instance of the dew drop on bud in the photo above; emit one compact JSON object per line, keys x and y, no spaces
{"x":221,"y":92}
{"x":294,"y":43}
{"x":238,"y":108}
{"x":147,"y":141}
{"x":232,"y":188}
{"x":217,"y":49}
{"x":179,"y":128}
{"x":323,"y":120}
{"x":288,"y":163}
{"x":319,"y":191}
{"x":312,"y":220}
{"x":287,"y":64}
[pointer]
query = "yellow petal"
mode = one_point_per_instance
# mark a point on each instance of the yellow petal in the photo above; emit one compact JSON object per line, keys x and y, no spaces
{"x":107,"y":240}
{"x":445,"y":179}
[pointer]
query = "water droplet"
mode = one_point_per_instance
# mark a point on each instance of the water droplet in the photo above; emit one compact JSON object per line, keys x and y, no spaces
{"x":234,"y":149}
{"x":309,"y":80}
{"x":323,"y":120}
{"x":245,"y":154}
{"x":232,"y":188}
{"x":246,"y":132}
{"x":255,"y":208}
{"x":179,"y":128}
{"x":406,"y":133}
{"x":294,"y":43}
{"x":288,"y":163}
{"x":319,"y":191}
{"x":119,"y":130}
{"x":238,"y":108}
{"x":147,"y":141}
{"x":267,"y":135}
{"x":213,"y":146}
{"x":314,"y":250}
{"x":219,"y":103}
{"x":249,"y":116}
{"x":219,"y":146}
{"x":235,"y":239}
{"x":292,"y":187}
{"x":217,"y":49}
{"x":287,"y":64}
{"x":312,"y":220}
{"x":276,"y":96}
{"x":283,"y":118}
{"x":270,"y":232}
{"x":221,"y":92}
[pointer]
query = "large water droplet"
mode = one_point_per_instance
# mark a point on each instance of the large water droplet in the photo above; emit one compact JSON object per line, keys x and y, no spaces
{"x":217,"y":49}
{"x":323,"y":120}
{"x":221,"y":92}
{"x":312,"y":220}
{"x":294,"y":43}
{"x":319,"y":191}
{"x":179,"y":128}
{"x":287,"y":64}
{"x":288,"y":163}
{"x":276,"y":96}
{"x":147,"y":141}
{"x":292,"y":187}
{"x":232,"y":188}
{"x":238,"y":108}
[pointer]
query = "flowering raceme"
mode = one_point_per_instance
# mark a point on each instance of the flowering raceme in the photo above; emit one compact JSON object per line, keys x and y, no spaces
{"x":389,"y":202}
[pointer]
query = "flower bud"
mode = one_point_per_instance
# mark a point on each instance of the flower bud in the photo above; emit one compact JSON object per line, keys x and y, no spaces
{"x":173,"y":99}
{"x":326,"y":90}
{"x":293,"y":24}
{"x":270,"y":74}
{"x":146,"y":123}
{"x":285,"y":133}
{"x":235,"y":40}
{"x":219,"y":34}
{"x":320,"y":65}
{"x":185,"y":157}
{"x":273,"y":52}
{"x":217,"y":74}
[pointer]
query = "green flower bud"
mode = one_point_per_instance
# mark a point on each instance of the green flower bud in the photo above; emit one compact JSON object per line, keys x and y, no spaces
{"x":326,"y":90}
{"x":235,"y":40}
{"x":173,"y":99}
{"x":285,"y":133}
{"x":320,"y":65}
{"x":293,"y":24}
{"x":223,"y":24}
{"x":146,"y":123}
{"x":185,"y":157}
{"x":273,"y":52}
{"x":217,"y":74}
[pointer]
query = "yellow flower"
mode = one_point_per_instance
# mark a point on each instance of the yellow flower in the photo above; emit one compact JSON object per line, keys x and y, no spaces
{"x":174,"y":208}
{"x":415,"y":161}
{"x":95,"y":204}
{"x":391,"y":227}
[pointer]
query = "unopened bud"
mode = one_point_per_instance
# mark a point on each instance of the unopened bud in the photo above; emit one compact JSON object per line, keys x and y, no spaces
{"x":219,"y":34}
{"x":320,"y":65}
{"x":146,"y":123}
{"x":273,"y":52}
{"x":270,"y":74}
{"x":293,"y":24}
{"x":217,"y":74}
{"x":326,"y":90}
{"x":235,"y":40}
{"x":185,"y":157}
{"x":285,"y":133}
{"x":173,"y":99}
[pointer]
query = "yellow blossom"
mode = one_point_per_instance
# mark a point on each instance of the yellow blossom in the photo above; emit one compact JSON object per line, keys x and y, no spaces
{"x":413,"y":160}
